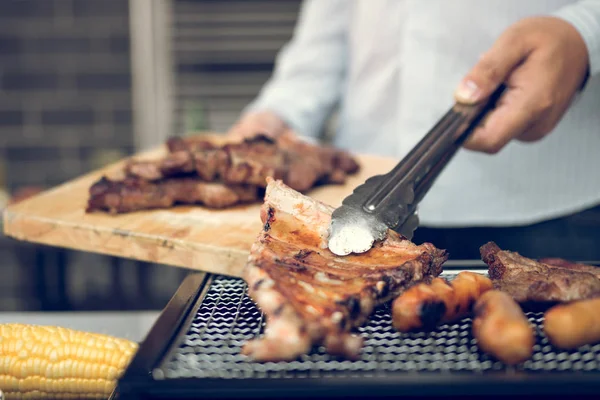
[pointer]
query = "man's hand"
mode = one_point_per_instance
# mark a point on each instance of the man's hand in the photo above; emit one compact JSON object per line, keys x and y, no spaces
{"x":262,"y":122}
{"x":543,"y":61}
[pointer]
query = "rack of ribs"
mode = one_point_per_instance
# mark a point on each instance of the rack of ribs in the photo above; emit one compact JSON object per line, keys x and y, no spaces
{"x":548,"y":280}
{"x":311,"y":296}
{"x":222,"y":172}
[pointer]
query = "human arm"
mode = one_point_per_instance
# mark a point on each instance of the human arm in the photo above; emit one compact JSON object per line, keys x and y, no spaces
{"x":544,"y":61}
{"x":307,"y":79}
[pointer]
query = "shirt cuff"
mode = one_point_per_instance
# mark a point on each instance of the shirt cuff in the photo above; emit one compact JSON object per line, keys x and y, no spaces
{"x":587,"y":22}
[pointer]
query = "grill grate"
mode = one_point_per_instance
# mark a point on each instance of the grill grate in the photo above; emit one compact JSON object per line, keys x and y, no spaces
{"x":227,"y":318}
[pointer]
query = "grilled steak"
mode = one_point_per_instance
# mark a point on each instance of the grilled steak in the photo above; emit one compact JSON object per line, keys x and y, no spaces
{"x":219,"y":172}
{"x":572,"y":266}
{"x":300,"y":165}
{"x":549,"y":280}
{"x":132,"y":194}
{"x":311,"y":296}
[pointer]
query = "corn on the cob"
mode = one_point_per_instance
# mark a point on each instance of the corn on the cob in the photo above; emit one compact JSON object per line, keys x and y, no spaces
{"x":48,"y":362}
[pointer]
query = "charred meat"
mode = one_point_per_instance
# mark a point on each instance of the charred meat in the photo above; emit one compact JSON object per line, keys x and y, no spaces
{"x":549,"y":280}
{"x":299,"y":164}
{"x":502,"y":328}
{"x":218,"y":173}
{"x":425,"y":306}
{"x":311,"y":296}
{"x":132,"y":194}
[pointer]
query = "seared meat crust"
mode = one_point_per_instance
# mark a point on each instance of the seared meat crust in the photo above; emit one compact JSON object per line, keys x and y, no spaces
{"x":299,"y":164}
{"x":219,"y":173}
{"x":549,"y":280}
{"x":134,"y":194}
{"x":311,"y":296}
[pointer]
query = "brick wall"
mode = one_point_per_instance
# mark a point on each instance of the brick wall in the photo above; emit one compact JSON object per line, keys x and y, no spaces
{"x":65,"y":88}
{"x":65,"y":109}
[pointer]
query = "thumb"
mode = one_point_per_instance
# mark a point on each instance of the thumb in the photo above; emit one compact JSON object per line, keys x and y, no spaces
{"x":492,"y":69}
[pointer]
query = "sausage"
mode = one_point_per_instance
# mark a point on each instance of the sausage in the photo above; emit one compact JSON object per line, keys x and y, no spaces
{"x":468,"y":287}
{"x":425,"y":306}
{"x":502,"y":329}
{"x":569,"y":326}
{"x":418,"y":307}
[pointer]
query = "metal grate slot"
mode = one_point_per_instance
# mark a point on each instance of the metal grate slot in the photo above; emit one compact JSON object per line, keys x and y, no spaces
{"x":227,"y":318}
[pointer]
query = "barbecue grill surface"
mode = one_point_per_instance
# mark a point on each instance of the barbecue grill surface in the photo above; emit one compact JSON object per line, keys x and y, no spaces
{"x":203,"y":356}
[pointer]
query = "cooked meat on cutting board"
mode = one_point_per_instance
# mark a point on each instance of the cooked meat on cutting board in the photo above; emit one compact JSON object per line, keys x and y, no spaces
{"x":236,"y":169}
{"x":311,"y":296}
{"x":546,"y":280}
{"x":299,"y":164}
{"x":132,"y":194}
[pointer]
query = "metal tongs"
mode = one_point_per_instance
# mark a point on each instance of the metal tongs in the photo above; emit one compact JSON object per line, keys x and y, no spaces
{"x":390,"y":201}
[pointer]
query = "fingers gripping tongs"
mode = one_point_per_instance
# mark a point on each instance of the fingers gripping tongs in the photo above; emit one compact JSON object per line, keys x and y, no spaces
{"x":390,"y":201}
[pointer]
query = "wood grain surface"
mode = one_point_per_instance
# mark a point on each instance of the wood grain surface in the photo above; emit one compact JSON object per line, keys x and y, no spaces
{"x":193,"y":237}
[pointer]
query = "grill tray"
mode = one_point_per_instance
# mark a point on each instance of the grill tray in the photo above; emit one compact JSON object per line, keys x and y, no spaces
{"x":204,"y":356}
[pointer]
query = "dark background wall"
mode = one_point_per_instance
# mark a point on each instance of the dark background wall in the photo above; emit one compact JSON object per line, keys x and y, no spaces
{"x":66,"y":109}
{"x":65,"y":88}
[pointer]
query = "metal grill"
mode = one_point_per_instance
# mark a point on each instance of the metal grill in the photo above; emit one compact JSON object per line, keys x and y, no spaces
{"x":227,"y":318}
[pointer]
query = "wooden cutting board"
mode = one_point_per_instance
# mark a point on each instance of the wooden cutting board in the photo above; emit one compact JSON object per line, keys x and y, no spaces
{"x":194,"y":237}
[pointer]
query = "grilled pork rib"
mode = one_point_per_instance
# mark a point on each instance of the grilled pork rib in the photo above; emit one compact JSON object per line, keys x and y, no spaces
{"x":547,"y":280}
{"x":299,"y":164}
{"x":311,"y":296}
{"x":134,"y":194}
{"x":219,"y":172}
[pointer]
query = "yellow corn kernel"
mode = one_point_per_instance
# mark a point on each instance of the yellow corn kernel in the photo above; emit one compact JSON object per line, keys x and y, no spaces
{"x":49,"y":362}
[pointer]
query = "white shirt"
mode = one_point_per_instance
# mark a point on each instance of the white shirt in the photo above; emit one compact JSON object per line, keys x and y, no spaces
{"x":392,"y":67}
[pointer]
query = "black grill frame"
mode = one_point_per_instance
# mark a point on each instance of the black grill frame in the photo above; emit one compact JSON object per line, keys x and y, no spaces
{"x":176,"y":319}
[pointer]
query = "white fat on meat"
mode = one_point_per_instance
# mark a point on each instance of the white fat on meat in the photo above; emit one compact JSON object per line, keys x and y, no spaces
{"x":305,"y":209}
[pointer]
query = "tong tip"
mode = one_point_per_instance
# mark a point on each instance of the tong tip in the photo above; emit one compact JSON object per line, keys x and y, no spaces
{"x":353,"y":232}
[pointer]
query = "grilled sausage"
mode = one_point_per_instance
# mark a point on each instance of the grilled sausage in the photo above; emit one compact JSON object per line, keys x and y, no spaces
{"x":572,"y":325}
{"x":425,"y":306}
{"x":502,"y":329}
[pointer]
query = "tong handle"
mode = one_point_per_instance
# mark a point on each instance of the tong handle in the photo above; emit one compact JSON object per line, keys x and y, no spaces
{"x":416,"y":173}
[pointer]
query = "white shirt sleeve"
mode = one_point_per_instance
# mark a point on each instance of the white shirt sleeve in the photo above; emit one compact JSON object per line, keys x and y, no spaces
{"x":307,"y":80}
{"x":584,"y":15}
